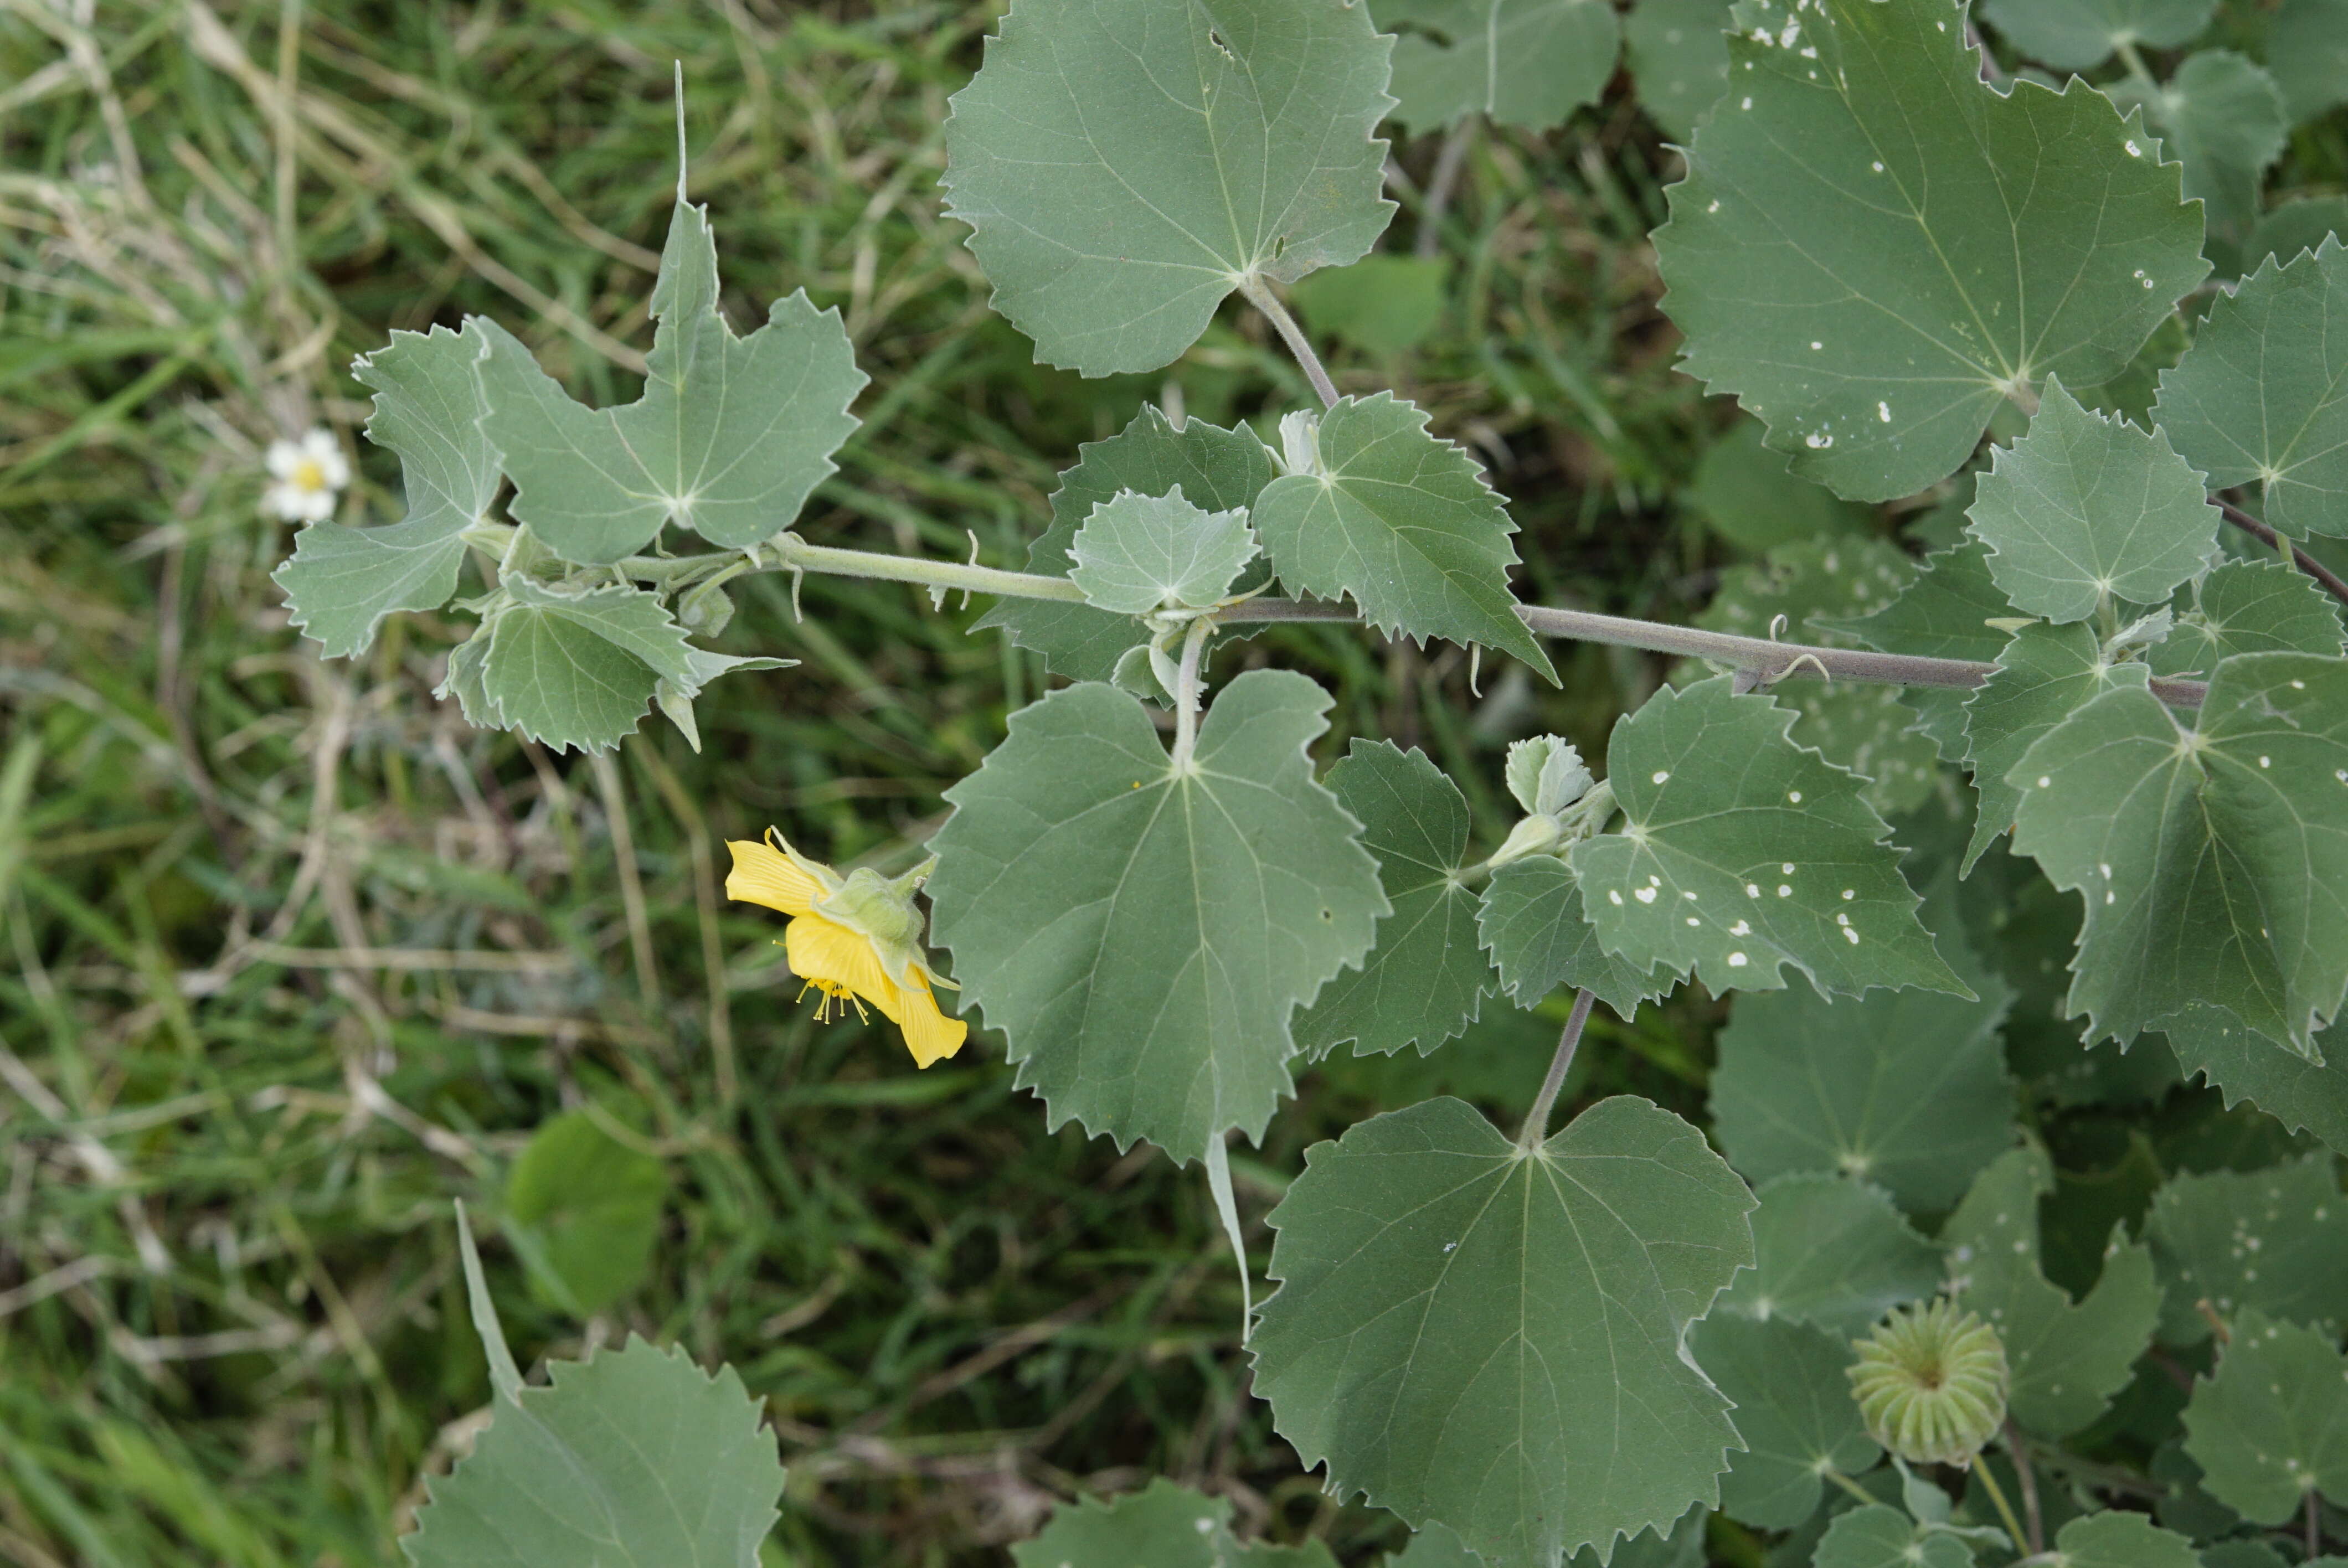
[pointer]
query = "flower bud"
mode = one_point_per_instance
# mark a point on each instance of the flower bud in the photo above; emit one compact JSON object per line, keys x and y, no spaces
{"x":1931,"y":1383}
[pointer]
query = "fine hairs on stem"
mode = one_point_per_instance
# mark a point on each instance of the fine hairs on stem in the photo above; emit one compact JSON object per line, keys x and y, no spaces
{"x":1259,"y":294}
{"x":1536,"y":1127}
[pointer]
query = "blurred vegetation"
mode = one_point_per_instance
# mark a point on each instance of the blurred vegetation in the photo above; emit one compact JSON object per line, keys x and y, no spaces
{"x":293,"y":958}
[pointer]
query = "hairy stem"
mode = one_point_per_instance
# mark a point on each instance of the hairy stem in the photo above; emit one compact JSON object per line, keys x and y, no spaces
{"x":2299,"y":557}
{"x":1259,"y":294}
{"x":1186,"y":693}
{"x":1536,"y":1127}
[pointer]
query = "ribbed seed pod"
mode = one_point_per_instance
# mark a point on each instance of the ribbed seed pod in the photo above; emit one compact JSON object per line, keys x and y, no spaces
{"x":1931,"y":1383}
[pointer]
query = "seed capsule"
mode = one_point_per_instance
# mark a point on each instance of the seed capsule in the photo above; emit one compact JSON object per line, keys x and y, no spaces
{"x":1931,"y":1383}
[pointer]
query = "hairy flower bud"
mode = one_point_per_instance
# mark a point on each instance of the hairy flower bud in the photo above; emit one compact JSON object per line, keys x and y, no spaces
{"x":1931,"y":1383}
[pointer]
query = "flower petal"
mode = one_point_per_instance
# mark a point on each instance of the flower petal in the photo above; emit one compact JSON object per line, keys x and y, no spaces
{"x":834,"y":954}
{"x":930,"y":1035}
{"x":763,"y":875}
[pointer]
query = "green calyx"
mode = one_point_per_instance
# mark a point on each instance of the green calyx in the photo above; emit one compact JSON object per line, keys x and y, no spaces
{"x":1931,"y":1383}
{"x":881,"y":909}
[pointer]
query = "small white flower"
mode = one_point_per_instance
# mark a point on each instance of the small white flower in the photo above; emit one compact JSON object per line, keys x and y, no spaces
{"x":310,"y":473}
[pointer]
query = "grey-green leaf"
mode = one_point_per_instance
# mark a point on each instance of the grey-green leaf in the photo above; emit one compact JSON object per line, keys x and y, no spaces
{"x":2247,"y":607}
{"x":1737,"y":873}
{"x":2274,"y":1241}
{"x":1127,"y":163}
{"x":593,"y":1205}
{"x":2044,"y":675}
{"x":1873,"y":246}
{"x":1141,"y":932}
{"x":1792,"y":1409}
{"x":1458,"y":1319}
{"x":1677,"y":51}
{"x":2262,"y":397}
{"x":2075,"y":35}
{"x":2224,"y":118}
{"x":1540,"y":936}
{"x":2307,"y":51}
{"x":1881,"y":1536}
{"x":2086,"y":509}
{"x":2214,"y":862}
{"x":1403,"y":523}
{"x":1136,"y":553}
{"x":342,"y":581}
{"x":2245,"y":1065}
{"x":1221,"y":470}
{"x":2117,"y":1538}
{"x":1832,"y":1251}
{"x":1163,"y":1525}
{"x":1743,"y":490}
{"x":1425,"y":978}
{"x":1525,"y":63}
{"x":2271,"y":1424}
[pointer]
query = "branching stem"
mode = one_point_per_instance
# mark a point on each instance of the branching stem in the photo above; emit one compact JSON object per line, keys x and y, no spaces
{"x":2033,"y":1519}
{"x":1536,"y":1127}
{"x":1186,"y":693}
{"x":2266,"y":535}
{"x":1259,"y":294}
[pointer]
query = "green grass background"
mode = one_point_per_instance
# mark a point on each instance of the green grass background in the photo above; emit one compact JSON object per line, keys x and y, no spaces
{"x":233,"y":1130}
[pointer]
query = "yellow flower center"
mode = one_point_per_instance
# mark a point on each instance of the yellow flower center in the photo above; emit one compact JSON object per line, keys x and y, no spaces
{"x":309,"y":474}
{"x":834,"y":1000}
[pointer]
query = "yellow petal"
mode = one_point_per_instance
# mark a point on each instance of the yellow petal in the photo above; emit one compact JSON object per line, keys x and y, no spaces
{"x":930,"y":1035}
{"x":763,"y":875}
{"x":833,"y":955}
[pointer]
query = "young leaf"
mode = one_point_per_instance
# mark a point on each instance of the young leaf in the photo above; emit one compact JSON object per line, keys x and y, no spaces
{"x":2077,"y":35}
{"x":1873,"y":247}
{"x":1426,"y":977}
{"x":1526,"y":63}
{"x":2066,"y":1360}
{"x":1403,"y":522}
{"x":2117,"y":1538}
{"x":730,"y":437}
{"x":1794,"y":1410}
{"x":1136,"y":553}
{"x":1459,"y":1317}
{"x":1127,"y":163}
{"x":1161,"y":1526}
{"x":1221,"y":470}
{"x":1904,"y":1089}
{"x":1139,"y":931}
{"x":2273,"y":1241}
{"x":2086,"y":509}
{"x":2271,"y":1425}
{"x":2224,"y":119}
{"x":2247,"y":607}
{"x":2045,"y":674}
{"x":594,"y":1205}
{"x":1533,"y":922}
{"x":1736,"y":870}
{"x":2247,"y":1066}
{"x":1881,"y":1536}
{"x":1677,"y":53}
{"x":342,"y":581}
{"x":2258,"y":400}
{"x":1831,"y":1250}
{"x":631,"y":1459}
{"x":2214,"y":862}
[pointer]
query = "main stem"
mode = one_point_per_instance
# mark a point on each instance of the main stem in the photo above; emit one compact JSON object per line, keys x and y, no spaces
{"x":1259,"y":294}
{"x":1536,"y":1127}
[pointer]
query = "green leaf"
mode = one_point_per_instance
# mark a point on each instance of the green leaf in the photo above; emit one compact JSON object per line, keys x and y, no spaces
{"x":2247,"y":607}
{"x":2087,"y":509}
{"x":1141,"y":931}
{"x":1270,"y":1554}
{"x":1904,"y":1089}
{"x":631,"y":1459}
{"x":729,"y":439}
{"x":1880,"y":1536}
{"x":1746,"y":492}
{"x":1831,"y":1251}
{"x":2247,"y":1066}
{"x":2045,"y":674}
{"x":1221,"y":470}
{"x":1426,"y":977}
{"x":1525,"y":63}
{"x":1677,"y":51}
{"x":1436,"y":1546}
{"x":1459,"y":1317}
{"x":2075,"y":35}
{"x":1162,"y":1526}
{"x":1540,"y":937}
{"x":2117,"y":1538}
{"x":2273,"y":1241}
{"x":594,"y":1205}
{"x":2262,"y":397}
{"x":1735,"y":873}
{"x":2224,"y":119}
{"x":1127,"y":163}
{"x":1794,"y":1410}
{"x":1383,"y":305}
{"x":1876,"y":330}
{"x":1943,"y":614}
{"x":2307,"y":51}
{"x":2214,"y":863}
{"x":1403,"y":522}
{"x":2295,"y":226}
{"x":342,"y":581}
{"x":2271,"y":1425}
{"x":2066,"y":1360}
{"x":1136,"y":554}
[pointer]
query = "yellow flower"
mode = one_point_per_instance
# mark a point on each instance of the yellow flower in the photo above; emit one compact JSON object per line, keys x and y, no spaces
{"x":856,"y":939}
